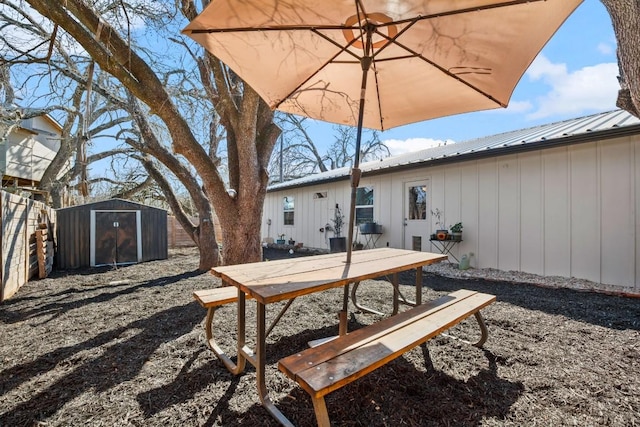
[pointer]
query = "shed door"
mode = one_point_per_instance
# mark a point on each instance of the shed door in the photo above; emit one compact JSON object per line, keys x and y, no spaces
{"x":416,"y":224}
{"x":115,"y":237}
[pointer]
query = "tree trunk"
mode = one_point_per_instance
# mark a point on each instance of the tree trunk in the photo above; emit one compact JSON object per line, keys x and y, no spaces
{"x":207,"y":244}
{"x":625,"y":17}
{"x":251,"y":134}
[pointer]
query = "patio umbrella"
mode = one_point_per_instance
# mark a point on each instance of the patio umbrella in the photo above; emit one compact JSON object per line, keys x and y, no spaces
{"x":379,"y":63}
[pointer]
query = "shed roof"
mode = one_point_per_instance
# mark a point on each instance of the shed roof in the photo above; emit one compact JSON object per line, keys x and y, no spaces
{"x":584,"y":129}
{"x":108,"y":202}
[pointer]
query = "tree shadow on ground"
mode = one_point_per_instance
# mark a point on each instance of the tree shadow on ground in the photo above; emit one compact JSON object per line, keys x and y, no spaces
{"x":189,"y":381}
{"x":84,"y":297}
{"x":399,"y":394}
{"x":119,"y":362}
{"x":609,"y":311}
{"x":371,"y":400}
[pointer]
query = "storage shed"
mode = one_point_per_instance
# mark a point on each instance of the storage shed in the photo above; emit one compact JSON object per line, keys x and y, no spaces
{"x":110,"y":232}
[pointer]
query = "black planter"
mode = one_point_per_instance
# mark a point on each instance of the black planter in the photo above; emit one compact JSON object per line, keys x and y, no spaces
{"x":337,"y":244}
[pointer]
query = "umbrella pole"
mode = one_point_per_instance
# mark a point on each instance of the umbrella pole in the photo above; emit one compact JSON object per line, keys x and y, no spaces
{"x":356,"y":173}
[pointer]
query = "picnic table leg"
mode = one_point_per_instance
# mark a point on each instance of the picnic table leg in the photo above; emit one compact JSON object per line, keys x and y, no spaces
{"x":483,"y":329}
{"x":343,"y":315}
{"x":396,"y":293}
{"x":418,"y":285}
{"x":320,"y":408}
{"x":217,"y":350}
{"x":361,"y":307}
{"x":243,"y":351}
{"x":261,"y":363}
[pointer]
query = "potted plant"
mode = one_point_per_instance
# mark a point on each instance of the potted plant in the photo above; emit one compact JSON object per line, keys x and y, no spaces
{"x":280,"y":240}
{"x":358,"y":245}
{"x":291,"y":241}
{"x":337,"y":243}
{"x":442,"y":233}
{"x":456,"y":232}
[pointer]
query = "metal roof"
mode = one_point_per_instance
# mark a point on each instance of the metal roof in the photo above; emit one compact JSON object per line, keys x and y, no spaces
{"x":584,"y":129}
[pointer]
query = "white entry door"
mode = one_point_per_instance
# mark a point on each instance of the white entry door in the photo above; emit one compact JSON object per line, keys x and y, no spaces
{"x":416,"y":224}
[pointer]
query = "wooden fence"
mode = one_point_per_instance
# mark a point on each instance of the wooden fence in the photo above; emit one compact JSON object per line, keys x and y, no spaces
{"x":27,"y":241}
{"x":179,"y":238}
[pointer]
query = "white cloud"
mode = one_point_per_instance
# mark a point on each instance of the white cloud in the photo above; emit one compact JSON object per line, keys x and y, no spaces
{"x":410,"y":145}
{"x":605,"y":48}
{"x":592,"y":88}
{"x":518,"y":107}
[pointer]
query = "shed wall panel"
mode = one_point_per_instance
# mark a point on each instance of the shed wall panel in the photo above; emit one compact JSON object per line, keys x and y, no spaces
{"x":487,"y":255}
{"x":617,"y":213}
{"x":508,"y":214}
{"x":531,"y":214}
{"x":556,"y":219}
{"x":385,"y":201}
{"x":585,"y":202}
{"x":452,"y":189}
{"x":469,"y":209}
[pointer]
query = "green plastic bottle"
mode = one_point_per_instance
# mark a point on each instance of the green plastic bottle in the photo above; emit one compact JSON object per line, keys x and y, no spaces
{"x":464,"y":262}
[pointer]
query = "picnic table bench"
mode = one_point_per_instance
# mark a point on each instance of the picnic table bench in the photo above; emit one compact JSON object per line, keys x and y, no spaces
{"x":285,"y":280}
{"x":336,"y":363}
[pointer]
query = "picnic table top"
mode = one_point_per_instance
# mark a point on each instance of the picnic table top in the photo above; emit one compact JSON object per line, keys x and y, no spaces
{"x":284,"y":279}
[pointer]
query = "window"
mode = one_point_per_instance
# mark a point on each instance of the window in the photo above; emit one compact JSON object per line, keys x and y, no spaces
{"x":364,"y":205}
{"x":417,"y":202}
{"x":288,"y":208}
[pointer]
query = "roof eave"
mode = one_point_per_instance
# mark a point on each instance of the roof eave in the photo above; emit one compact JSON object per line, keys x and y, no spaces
{"x":483,"y":154}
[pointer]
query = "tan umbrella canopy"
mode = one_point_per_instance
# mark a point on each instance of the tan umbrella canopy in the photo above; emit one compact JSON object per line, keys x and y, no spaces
{"x":379,"y":63}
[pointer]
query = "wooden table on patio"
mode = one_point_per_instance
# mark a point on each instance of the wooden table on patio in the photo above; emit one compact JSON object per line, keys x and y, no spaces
{"x":274,"y":281}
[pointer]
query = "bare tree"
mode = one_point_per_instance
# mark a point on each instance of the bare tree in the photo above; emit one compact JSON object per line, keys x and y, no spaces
{"x":45,"y":71}
{"x":300,"y":154}
{"x":250,"y":133}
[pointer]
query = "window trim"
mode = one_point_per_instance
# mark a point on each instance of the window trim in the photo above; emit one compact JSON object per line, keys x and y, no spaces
{"x":369,"y":206}
{"x":291,"y":210}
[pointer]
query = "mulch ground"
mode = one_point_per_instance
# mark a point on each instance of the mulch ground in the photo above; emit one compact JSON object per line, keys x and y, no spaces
{"x":107,"y":347}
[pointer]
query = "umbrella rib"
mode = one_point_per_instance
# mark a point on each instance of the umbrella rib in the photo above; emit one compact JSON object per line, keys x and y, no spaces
{"x":309,"y":27}
{"x":298,"y":27}
{"x":450,"y":74}
{"x":394,"y":40}
{"x":375,"y":76}
{"x":391,"y":40}
{"x":458,"y":12}
{"x":342,"y":49}
{"x":338,"y":45}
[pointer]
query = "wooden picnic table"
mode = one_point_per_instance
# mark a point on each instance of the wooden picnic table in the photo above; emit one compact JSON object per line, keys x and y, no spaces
{"x":273,"y":281}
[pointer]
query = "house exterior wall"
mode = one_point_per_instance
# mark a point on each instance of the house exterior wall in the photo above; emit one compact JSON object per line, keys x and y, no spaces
{"x":27,"y":152}
{"x":571,"y":211}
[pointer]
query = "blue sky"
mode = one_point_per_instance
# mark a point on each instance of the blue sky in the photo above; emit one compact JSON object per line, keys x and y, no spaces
{"x":574,"y":75}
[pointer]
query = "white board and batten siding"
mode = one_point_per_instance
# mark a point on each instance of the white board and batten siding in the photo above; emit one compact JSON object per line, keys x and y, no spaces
{"x":30,"y":150}
{"x":571,"y":211}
